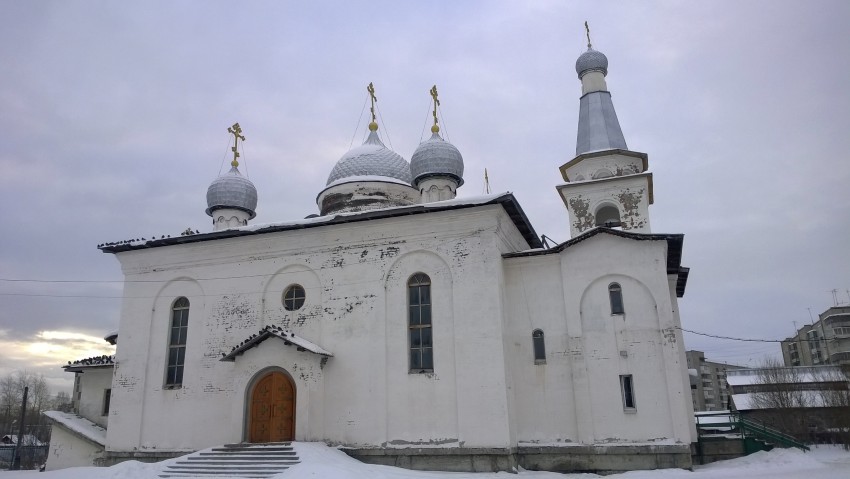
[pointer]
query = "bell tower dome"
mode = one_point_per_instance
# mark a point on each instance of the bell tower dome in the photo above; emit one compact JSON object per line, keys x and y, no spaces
{"x":232,"y":198}
{"x":436,"y":165}
{"x":606,"y":183}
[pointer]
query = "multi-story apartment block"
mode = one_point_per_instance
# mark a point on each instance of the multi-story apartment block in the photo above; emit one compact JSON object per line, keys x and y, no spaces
{"x":826,"y":341}
{"x":710,"y":391}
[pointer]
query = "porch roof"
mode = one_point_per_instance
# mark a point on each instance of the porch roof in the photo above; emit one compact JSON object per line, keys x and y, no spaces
{"x":289,"y":339}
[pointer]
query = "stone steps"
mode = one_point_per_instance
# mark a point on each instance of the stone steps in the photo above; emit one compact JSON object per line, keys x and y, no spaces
{"x":235,"y":460}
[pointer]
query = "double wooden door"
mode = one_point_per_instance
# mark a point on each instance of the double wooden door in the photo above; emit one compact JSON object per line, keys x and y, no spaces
{"x":273,"y":409}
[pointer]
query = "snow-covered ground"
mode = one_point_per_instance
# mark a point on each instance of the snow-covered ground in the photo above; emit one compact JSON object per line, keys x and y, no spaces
{"x":320,"y":461}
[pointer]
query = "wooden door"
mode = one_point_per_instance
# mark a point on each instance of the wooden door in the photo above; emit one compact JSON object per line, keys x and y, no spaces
{"x":272,"y":409}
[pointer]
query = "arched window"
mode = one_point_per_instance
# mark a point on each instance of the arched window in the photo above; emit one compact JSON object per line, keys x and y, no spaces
{"x":615,"y":294}
{"x":608,"y":216}
{"x":539,"y":346}
{"x":419,"y":323}
{"x":177,"y":343}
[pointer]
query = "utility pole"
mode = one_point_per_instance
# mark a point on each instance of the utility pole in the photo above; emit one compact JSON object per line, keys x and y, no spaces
{"x":16,"y":458}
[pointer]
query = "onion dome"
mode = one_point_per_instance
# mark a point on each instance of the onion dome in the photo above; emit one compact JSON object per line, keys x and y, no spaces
{"x":232,"y":190}
{"x":371,"y":159}
{"x":436,"y":157}
{"x":591,"y":61}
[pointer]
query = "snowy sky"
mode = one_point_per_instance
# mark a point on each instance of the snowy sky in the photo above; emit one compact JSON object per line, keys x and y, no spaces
{"x":113,"y":121}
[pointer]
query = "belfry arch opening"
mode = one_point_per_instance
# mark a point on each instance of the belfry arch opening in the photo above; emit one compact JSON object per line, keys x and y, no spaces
{"x":608,"y":216}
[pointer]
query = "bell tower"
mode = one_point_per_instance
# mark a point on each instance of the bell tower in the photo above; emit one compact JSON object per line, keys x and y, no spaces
{"x":606,"y":183}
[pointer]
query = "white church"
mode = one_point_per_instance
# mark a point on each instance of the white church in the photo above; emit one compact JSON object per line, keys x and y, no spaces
{"x":404,"y":324}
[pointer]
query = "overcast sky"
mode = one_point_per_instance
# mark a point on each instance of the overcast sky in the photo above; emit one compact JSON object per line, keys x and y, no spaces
{"x":113,"y":120}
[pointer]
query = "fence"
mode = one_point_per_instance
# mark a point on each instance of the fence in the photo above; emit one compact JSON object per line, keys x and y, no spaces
{"x":32,"y":452}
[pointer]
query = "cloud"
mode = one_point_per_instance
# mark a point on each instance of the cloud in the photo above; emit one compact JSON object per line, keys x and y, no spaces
{"x":115,"y":120}
{"x":46,"y":351}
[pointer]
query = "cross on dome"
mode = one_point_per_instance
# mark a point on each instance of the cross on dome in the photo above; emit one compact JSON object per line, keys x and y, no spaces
{"x":236,"y":131}
{"x":373,"y":126}
{"x":436,"y":127}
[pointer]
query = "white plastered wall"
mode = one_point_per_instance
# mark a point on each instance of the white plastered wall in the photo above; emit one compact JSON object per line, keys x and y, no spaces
{"x":355,"y":277}
{"x":93,"y":385}
{"x":575,"y":396}
{"x":70,"y":450}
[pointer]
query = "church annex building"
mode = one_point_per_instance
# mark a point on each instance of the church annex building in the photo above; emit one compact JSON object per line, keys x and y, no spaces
{"x":404,"y":324}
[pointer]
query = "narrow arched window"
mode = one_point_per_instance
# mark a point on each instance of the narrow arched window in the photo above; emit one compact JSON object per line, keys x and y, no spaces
{"x":615,"y":294}
{"x":539,"y":346}
{"x":177,"y":342}
{"x":608,"y":216}
{"x":419,"y":323}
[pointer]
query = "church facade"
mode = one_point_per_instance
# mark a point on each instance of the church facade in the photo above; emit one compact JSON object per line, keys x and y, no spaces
{"x":412,"y":327}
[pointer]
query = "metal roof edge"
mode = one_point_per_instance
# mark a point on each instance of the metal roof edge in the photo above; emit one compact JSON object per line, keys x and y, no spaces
{"x":507,"y":200}
{"x":674,"y":245}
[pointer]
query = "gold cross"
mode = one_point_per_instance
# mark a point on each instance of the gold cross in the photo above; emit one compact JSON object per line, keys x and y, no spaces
{"x":435,"y":128}
{"x":371,"y":90}
{"x":236,"y":131}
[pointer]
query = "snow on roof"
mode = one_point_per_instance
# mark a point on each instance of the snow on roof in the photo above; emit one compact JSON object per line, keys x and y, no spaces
{"x":111,"y":337}
{"x":354,"y":179}
{"x":92,"y":362}
{"x":79,"y":425}
{"x":28,"y":440}
{"x":710,"y":418}
{"x":806,"y":399}
{"x":506,"y":199}
{"x":289,"y":338}
{"x":470,"y":201}
{"x":795,"y":374}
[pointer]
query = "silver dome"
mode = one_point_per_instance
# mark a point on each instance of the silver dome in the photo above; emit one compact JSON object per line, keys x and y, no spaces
{"x":435,"y":157}
{"x":592,"y":60}
{"x":232,"y":190}
{"x":371,"y":158}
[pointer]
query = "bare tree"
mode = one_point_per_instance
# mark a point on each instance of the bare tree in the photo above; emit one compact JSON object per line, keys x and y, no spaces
{"x":781,"y":399}
{"x":779,"y":387}
{"x":810,"y":403}
{"x":61,"y":402}
{"x":836,"y":399}
{"x":11,"y":396}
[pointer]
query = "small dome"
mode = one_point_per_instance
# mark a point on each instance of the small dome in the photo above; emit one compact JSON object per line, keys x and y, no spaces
{"x":436,"y":157}
{"x":371,"y":158}
{"x":232,"y":190}
{"x":591,"y":61}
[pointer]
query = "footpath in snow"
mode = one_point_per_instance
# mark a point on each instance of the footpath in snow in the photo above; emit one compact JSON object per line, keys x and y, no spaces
{"x":322,"y":462}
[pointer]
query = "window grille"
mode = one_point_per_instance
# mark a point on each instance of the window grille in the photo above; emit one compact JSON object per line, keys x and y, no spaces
{"x":177,"y":343}
{"x":419,"y":323}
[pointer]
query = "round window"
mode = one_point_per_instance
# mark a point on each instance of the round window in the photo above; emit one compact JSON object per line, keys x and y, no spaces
{"x":293,"y":297}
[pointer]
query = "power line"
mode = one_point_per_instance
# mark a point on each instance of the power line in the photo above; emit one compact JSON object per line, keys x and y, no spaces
{"x":821,"y":339}
{"x":733,"y":339}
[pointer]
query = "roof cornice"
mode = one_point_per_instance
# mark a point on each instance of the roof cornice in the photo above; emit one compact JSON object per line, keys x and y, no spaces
{"x":595,"y":154}
{"x":506,"y":200}
{"x":674,"y":250}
